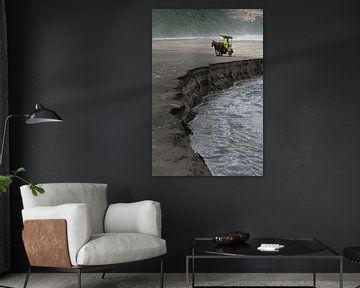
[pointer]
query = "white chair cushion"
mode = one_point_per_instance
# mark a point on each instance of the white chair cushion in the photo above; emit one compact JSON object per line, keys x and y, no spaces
{"x":137,"y":217}
{"x":92,"y":194}
{"x":114,"y":248}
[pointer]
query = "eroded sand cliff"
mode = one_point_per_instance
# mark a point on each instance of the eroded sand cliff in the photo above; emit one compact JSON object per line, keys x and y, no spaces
{"x":176,"y":92}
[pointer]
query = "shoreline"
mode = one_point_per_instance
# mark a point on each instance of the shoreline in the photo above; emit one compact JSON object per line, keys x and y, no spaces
{"x":199,"y":82}
{"x":172,"y":154}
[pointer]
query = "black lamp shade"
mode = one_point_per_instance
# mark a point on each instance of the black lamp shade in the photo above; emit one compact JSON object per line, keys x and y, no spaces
{"x":42,"y":115}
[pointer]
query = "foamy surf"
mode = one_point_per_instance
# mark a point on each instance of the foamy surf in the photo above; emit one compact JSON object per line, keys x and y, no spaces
{"x":246,"y":37}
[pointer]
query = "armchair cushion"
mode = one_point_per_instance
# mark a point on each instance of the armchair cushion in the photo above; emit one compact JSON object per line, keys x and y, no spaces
{"x":138,"y":217}
{"x":113,"y":248}
{"x":92,"y":194}
{"x":78,"y":221}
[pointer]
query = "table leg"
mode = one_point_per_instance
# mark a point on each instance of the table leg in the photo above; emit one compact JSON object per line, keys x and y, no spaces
{"x":341,"y":273}
{"x":314,"y":271}
{"x":193,"y":267}
{"x":187,"y":272}
{"x":193,"y":272}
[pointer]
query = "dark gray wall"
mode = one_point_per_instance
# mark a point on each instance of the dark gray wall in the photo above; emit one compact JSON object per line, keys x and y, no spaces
{"x":72,"y":57}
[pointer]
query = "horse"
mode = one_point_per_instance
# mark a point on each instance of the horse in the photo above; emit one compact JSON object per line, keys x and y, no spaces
{"x":219,"y":48}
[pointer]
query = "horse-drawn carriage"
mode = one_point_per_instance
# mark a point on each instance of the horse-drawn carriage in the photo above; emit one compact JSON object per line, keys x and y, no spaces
{"x":224,"y":46}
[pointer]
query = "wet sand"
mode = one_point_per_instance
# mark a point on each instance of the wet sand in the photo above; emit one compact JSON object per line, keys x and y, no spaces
{"x":172,"y":154}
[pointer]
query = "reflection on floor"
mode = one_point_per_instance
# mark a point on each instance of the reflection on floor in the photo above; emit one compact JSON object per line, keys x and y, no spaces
{"x":131,"y":280}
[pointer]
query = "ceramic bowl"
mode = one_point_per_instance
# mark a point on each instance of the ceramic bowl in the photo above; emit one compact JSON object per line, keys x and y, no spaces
{"x":225,"y":239}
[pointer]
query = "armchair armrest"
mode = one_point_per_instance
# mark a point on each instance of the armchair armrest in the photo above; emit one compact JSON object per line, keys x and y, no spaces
{"x":78,"y":225}
{"x":138,"y":217}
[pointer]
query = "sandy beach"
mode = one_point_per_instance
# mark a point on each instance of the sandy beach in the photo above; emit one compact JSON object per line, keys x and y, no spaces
{"x":172,"y":154}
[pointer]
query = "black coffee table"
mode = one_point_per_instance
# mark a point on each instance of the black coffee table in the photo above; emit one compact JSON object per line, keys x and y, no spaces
{"x":295,"y":248}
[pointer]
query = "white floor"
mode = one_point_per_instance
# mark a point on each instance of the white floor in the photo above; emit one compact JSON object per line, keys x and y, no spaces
{"x":115,"y":280}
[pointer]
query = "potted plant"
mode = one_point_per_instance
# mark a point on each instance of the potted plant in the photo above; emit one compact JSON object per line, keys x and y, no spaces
{"x":6,"y":180}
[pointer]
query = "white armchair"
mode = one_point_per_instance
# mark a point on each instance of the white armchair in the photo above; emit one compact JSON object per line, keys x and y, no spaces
{"x":72,"y":228}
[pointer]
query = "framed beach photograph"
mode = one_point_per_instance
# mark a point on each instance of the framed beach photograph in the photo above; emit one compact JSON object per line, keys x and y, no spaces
{"x":207,"y":92}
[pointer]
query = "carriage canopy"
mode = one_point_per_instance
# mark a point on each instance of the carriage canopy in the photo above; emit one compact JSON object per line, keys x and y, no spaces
{"x":226,"y":37}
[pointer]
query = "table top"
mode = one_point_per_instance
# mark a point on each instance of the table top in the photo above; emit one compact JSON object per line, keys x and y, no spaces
{"x":292,"y":247}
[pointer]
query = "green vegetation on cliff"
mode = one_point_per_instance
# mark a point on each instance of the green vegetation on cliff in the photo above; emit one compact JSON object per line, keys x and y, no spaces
{"x":200,"y":22}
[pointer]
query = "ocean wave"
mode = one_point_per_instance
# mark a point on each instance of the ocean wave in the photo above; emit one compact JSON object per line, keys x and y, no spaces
{"x":249,"y":37}
{"x":228,"y":130}
{"x":246,"y":37}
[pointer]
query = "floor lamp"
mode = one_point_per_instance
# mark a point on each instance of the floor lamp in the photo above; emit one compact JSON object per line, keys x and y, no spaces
{"x":39,"y":115}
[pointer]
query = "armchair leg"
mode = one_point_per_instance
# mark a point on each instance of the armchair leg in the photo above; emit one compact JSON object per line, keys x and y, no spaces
{"x":79,"y":277}
{"x":103,"y":275}
{"x":27,"y":277}
{"x":161,"y":273}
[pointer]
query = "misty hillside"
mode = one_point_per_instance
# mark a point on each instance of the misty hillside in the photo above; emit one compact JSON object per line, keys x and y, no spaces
{"x":205,"y":22}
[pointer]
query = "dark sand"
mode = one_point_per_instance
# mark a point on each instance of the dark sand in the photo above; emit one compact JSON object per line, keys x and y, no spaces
{"x":172,"y":154}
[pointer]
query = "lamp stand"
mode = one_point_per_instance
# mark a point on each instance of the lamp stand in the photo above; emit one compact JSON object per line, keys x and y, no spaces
{"x":4,"y":135}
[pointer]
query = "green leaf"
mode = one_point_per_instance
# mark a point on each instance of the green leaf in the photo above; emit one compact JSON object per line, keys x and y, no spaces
{"x":39,"y":189}
{"x":5,"y":182}
{"x":32,"y":187}
{"x":20,"y":169}
{"x":36,"y":189}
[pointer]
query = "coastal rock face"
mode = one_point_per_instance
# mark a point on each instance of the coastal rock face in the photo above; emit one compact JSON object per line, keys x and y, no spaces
{"x":198,"y":82}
